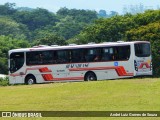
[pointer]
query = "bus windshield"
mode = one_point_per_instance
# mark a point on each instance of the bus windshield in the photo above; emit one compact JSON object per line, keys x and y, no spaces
{"x":16,"y":61}
{"x":142,"y":49}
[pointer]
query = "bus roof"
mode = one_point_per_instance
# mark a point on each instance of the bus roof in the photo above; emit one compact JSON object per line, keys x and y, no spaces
{"x":74,"y":46}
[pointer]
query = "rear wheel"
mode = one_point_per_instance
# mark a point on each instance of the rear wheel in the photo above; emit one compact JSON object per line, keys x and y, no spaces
{"x":30,"y":80}
{"x":90,"y":76}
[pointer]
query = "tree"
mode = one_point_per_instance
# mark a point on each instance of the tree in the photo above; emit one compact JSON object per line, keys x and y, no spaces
{"x":102,"y":13}
{"x":6,"y":44}
{"x":37,"y":18}
{"x":9,"y":27}
{"x":68,"y":27}
{"x":7,"y":9}
{"x":86,"y":16}
{"x":63,"y":12}
{"x":50,"y":39}
{"x":150,"y":32}
{"x":112,"y":13}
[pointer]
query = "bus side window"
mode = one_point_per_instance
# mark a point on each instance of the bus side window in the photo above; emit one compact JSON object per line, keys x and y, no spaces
{"x":93,"y":54}
{"x":63,"y":56}
{"x":32,"y":58}
{"x":77,"y":55}
{"x":46,"y":57}
{"x":90,"y":55}
{"x":107,"y":54}
{"x":123,"y":52}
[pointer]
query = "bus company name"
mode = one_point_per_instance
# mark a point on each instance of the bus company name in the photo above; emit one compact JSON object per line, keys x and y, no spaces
{"x":80,"y":65}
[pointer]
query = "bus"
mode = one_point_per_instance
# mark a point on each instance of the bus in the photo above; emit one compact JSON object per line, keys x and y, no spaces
{"x":88,"y":62}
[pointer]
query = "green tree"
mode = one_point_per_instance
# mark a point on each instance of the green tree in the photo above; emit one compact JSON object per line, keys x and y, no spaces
{"x":68,"y":27}
{"x":50,"y":39}
{"x":11,"y":28}
{"x":86,"y":16}
{"x":37,"y":18}
{"x":6,"y":44}
{"x":7,"y":9}
{"x":150,"y":32}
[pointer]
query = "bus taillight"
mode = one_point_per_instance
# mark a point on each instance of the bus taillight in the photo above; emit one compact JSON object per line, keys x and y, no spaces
{"x":135,"y":66}
{"x":151,"y":66}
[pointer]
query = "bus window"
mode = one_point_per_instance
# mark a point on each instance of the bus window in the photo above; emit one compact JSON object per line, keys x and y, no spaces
{"x":47,"y":57}
{"x":77,"y":55}
{"x":142,"y":49}
{"x":16,"y":61}
{"x":62,"y":56}
{"x":93,"y":54}
{"x":107,"y":54}
{"x":39,"y":57}
{"x":122,"y":52}
{"x":32,"y":58}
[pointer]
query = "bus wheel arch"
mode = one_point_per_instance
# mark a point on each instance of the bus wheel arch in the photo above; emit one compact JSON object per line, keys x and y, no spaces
{"x":90,"y":76}
{"x":30,"y":79}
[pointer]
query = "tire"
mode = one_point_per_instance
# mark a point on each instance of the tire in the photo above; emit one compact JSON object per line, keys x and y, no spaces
{"x":90,"y":76}
{"x":30,"y":80}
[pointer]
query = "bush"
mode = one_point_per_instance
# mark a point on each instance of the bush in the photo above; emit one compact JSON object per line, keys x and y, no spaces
{"x":4,"y":81}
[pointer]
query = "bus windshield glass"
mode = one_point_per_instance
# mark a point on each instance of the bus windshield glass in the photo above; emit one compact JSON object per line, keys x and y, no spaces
{"x":142,"y":49}
{"x":16,"y":61}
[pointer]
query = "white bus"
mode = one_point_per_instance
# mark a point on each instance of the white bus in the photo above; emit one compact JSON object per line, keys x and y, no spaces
{"x":110,"y":60}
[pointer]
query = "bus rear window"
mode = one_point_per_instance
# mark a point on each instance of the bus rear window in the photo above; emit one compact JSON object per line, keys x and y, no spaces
{"x":142,"y":49}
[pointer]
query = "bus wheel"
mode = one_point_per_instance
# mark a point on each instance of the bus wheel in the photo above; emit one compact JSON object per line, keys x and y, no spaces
{"x":30,"y":80}
{"x":90,"y":76}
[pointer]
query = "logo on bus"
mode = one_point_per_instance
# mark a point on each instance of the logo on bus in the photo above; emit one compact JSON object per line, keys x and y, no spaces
{"x":81,"y":65}
{"x":115,"y":63}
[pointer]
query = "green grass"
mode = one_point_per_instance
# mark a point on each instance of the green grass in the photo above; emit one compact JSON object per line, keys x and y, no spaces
{"x":4,"y":81}
{"x":109,"y":95}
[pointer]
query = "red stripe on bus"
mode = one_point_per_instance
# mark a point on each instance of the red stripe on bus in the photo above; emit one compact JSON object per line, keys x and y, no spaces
{"x":18,"y":74}
{"x":119,"y":69}
{"x":45,"y":69}
{"x":69,"y":78}
{"x":47,"y":77}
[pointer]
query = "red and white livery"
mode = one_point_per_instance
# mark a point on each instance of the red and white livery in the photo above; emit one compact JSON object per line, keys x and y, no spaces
{"x":110,"y":60}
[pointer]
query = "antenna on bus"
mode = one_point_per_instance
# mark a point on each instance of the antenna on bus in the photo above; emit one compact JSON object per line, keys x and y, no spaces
{"x":106,"y":42}
{"x":54,"y":45}
{"x":72,"y":44}
{"x":35,"y":47}
{"x":91,"y":43}
{"x":42,"y":45}
{"x":120,"y":41}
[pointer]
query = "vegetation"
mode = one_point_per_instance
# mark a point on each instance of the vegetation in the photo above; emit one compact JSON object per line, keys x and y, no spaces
{"x":24,"y":27}
{"x":111,"y":95}
{"x":4,"y":81}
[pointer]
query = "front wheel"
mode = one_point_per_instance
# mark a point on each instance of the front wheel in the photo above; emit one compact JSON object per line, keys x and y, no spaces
{"x":30,"y":80}
{"x":90,"y":77}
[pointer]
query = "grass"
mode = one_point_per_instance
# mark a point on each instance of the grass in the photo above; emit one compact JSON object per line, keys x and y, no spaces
{"x":4,"y":81}
{"x":109,"y":95}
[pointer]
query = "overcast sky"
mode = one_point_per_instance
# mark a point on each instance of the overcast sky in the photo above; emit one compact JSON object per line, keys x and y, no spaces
{"x":108,"y":5}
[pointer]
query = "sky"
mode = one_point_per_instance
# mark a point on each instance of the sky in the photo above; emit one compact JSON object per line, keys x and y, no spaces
{"x":108,"y":5}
